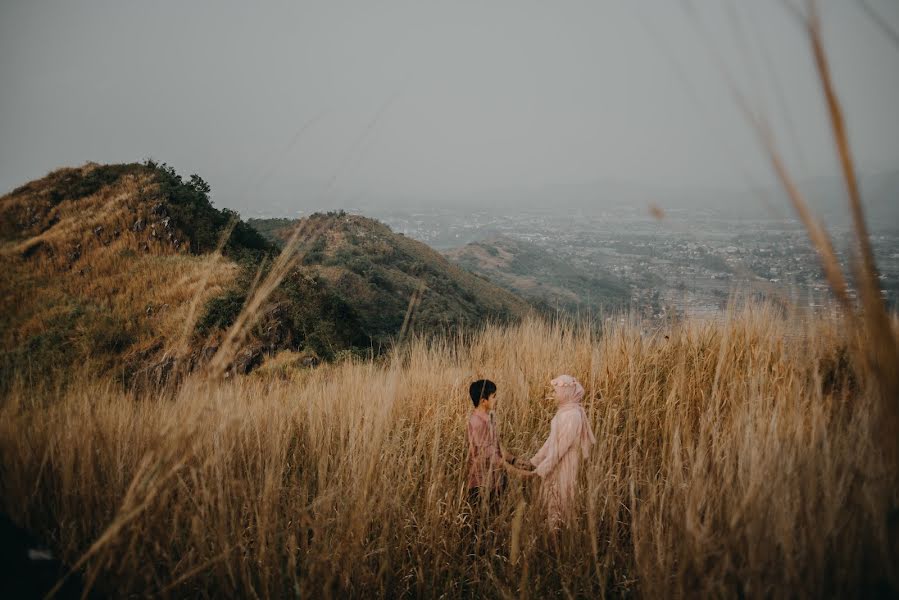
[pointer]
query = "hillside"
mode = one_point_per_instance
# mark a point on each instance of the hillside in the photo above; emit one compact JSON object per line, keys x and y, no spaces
{"x":114,"y":267}
{"x":377,"y":272}
{"x":102,"y":264}
{"x":275,"y":230}
{"x":535,"y":275}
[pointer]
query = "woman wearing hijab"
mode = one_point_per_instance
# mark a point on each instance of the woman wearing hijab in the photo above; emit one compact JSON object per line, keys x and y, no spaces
{"x":570,"y":438}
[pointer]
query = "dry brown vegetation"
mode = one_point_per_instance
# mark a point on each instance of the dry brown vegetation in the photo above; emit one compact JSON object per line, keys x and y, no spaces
{"x":78,"y":272}
{"x":754,"y":456}
{"x":733,"y":458}
{"x":130,"y":267}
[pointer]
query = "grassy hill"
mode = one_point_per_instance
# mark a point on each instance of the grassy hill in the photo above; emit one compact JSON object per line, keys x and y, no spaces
{"x":377,"y":272}
{"x":532,"y":273}
{"x":104,"y":264}
{"x":115,"y":267}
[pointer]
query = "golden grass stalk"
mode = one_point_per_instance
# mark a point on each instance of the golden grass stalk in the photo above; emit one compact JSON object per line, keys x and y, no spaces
{"x":190,"y":321}
{"x":302,"y":235}
{"x":883,"y":352}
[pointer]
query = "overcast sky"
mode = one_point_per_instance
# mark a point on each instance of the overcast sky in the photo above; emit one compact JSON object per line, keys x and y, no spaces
{"x":286,"y":106}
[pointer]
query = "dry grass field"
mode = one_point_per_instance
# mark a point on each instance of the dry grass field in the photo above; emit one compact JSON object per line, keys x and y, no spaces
{"x":734,"y":458}
{"x":751,"y":456}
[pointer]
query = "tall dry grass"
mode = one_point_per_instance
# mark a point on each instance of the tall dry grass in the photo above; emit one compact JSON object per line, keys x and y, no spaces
{"x":733,"y":458}
{"x":751,"y":457}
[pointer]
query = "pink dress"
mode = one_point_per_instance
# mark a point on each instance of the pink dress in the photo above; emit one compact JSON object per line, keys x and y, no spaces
{"x":557,"y":462}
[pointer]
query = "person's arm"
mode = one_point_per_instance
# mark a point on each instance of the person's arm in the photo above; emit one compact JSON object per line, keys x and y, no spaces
{"x":508,"y":456}
{"x":518,"y":471}
{"x":522,"y":463}
{"x":541,"y":453}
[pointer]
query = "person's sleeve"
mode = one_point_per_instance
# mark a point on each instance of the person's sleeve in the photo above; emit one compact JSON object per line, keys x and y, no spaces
{"x":562,"y":434}
{"x":541,"y":453}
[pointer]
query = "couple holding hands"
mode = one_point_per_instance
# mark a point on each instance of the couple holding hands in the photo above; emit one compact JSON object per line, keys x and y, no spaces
{"x":556,"y":463}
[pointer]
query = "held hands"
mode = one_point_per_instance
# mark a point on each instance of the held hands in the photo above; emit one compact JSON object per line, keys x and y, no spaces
{"x":520,"y":467}
{"x":519,"y":472}
{"x":517,"y":465}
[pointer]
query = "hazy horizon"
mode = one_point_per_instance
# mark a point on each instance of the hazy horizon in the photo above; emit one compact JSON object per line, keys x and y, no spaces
{"x":288,"y":107}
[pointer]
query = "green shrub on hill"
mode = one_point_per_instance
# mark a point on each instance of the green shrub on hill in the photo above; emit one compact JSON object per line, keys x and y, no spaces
{"x":189,"y":206}
{"x":319,"y":318}
{"x":221,"y":311}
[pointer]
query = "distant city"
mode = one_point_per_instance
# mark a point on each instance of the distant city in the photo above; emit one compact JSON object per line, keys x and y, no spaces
{"x":677,"y":261}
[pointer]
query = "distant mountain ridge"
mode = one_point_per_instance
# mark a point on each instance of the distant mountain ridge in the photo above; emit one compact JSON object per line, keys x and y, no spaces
{"x":521,"y":268}
{"x":548,"y":282}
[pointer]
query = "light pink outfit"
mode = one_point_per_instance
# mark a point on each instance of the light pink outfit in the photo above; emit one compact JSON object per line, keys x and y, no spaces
{"x":484,"y":456}
{"x":570,"y":438}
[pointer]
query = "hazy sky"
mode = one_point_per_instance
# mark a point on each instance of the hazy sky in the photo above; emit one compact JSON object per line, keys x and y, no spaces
{"x":286,"y":105}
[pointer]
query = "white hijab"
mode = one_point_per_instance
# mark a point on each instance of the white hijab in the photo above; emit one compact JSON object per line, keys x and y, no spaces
{"x":569,"y":393}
